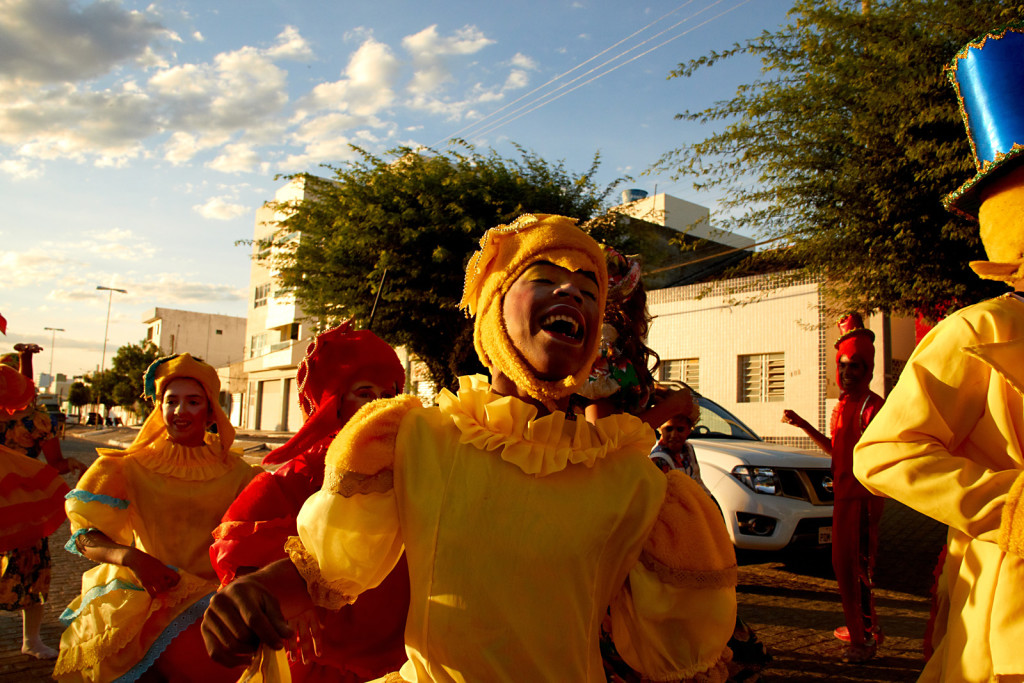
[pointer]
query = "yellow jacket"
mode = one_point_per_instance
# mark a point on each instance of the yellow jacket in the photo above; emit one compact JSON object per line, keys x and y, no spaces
{"x":520,"y":532}
{"x":949,"y":443}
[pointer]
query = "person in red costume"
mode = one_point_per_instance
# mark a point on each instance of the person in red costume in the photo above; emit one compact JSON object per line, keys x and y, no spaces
{"x":856,"y":512}
{"x":342,"y":370}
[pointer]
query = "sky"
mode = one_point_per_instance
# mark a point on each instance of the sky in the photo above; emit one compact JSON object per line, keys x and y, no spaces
{"x":137,"y":139}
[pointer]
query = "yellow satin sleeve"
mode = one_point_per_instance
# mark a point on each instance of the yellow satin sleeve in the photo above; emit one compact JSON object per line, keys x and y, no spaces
{"x":675,"y":614}
{"x":346,"y":545}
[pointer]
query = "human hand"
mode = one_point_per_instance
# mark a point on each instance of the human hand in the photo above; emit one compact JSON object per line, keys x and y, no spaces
{"x":308,"y":629}
{"x":791,"y":418}
{"x":242,"y":615}
{"x":75,"y":466}
{"x":155,"y":576}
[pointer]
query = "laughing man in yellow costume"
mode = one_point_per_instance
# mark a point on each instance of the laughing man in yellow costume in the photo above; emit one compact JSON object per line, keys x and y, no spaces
{"x":950,"y":440}
{"x":520,"y":525}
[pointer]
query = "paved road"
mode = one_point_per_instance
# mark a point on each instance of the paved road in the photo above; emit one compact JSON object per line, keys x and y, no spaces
{"x":790,"y":599}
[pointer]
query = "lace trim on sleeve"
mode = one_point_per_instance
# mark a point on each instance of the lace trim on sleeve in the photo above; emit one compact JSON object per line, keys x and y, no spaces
{"x":347,"y":483}
{"x":690,"y":578}
{"x":324,"y":593}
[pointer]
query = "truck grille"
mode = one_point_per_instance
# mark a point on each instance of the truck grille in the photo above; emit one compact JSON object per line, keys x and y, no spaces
{"x":812,"y":485}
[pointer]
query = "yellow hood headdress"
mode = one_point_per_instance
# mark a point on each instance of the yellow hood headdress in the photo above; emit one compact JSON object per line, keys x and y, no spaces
{"x":505,"y":252}
{"x":158,"y":375}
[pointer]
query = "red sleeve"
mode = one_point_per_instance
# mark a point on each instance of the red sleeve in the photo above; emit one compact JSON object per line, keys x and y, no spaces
{"x":254,"y":529}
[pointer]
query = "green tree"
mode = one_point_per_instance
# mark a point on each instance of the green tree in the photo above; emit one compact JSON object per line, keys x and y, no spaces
{"x":417,"y":215}
{"x":846,"y":144}
{"x":121,"y":384}
{"x":79,"y":396}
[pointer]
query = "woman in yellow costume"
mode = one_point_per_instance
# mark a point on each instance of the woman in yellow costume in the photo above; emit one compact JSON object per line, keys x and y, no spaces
{"x":520,"y":524}
{"x":146,"y":514}
{"x":949,"y":441}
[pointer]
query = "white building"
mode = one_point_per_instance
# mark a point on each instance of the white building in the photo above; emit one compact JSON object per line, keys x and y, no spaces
{"x":276,"y":336}
{"x":757,"y":345}
{"x":217,"y":339}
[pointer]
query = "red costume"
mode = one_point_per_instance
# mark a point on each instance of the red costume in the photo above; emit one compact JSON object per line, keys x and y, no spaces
{"x":363,"y":640}
{"x":856,"y":512}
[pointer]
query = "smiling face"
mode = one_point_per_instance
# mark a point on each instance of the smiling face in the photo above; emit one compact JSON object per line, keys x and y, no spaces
{"x":674,"y":434}
{"x":186,"y":411}
{"x":552,"y":318}
{"x":853,"y":373}
{"x":360,"y":392}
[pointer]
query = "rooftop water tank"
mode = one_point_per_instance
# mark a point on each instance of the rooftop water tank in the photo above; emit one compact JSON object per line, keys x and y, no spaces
{"x":633,"y":195}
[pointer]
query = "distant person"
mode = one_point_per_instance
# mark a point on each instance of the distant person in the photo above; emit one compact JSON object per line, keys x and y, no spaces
{"x":144,"y":515}
{"x":673,"y":450}
{"x":949,"y":442}
{"x":856,"y":513}
{"x":343,"y":370}
{"x":31,"y":497}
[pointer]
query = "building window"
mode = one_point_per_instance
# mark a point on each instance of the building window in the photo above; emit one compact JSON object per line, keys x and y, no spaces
{"x":218,"y":331}
{"x":260,"y":295}
{"x":257,"y":344}
{"x":762,"y":378}
{"x":681,"y":370}
{"x":149,"y":334}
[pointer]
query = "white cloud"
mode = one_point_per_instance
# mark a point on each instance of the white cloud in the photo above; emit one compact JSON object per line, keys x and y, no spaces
{"x":237,"y":158}
{"x":33,"y":265}
{"x":290,"y":45}
{"x":183,"y":288}
{"x":20,"y":169}
{"x":81,"y":41}
{"x":367,"y":86}
{"x":198,"y":37}
{"x":521,"y":61}
{"x":221,"y":209}
{"x":429,"y":49}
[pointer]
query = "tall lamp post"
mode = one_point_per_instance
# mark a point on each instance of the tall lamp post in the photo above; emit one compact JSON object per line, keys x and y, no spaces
{"x":106,"y":328}
{"x":53,"y":341}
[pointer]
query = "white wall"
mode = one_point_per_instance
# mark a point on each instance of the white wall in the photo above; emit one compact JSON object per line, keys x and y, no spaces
{"x":748,"y":316}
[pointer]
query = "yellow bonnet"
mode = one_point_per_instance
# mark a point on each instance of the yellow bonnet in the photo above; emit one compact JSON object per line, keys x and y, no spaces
{"x":505,"y":252}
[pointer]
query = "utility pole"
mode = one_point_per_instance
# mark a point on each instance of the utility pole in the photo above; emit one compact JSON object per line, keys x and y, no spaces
{"x":106,"y":329}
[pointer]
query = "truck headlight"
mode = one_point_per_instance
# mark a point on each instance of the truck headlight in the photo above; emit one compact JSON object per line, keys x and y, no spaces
{"x":757,"y":479}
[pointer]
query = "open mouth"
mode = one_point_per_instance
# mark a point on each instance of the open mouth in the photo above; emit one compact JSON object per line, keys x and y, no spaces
{"x":562,"y":325}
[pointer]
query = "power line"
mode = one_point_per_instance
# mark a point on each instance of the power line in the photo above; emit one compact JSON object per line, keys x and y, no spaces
{"x":506,"y":120}
{"x":562,"y":75}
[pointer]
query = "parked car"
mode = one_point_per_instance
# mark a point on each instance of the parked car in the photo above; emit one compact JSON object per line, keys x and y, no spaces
{"x":771,"y":496}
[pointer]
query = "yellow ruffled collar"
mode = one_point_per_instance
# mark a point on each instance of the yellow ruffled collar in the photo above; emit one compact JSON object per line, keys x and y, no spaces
{"x":189,"y":463}
{"x":538,"y":446}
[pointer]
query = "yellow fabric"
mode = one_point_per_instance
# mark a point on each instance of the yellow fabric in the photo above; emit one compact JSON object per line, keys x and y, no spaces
{"x":366,"y":444}
{"x":511,"y":570}
{"x":1001,"y":218}
{"x":169,"y":517}
{"x":949,"y":442}
{"x":268,"y":666}
{"x":505,"y":252}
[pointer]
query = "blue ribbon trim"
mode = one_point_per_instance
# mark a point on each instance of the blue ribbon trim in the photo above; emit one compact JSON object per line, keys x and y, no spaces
{"x":90,"y":497}
{"x":67,"y":616}
{"x":173,"y":630}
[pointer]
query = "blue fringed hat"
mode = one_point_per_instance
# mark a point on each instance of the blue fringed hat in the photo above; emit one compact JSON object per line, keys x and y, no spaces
{"x":988,"y":74}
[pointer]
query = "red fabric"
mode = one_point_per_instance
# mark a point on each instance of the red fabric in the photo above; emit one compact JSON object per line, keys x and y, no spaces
{"x":3,"y":325}
{"x":333,"y":359}
{"x":31,"y":500}
{"x":365,"y":639}
{"x":859,"y":344}
{"x":854,"y":547}
{"x":850,"y":417}
{"x":16,"y":391}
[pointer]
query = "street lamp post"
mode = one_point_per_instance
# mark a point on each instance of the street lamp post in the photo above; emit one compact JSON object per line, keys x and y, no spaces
{"x":106,"y":328}
{"x":53,"y":341}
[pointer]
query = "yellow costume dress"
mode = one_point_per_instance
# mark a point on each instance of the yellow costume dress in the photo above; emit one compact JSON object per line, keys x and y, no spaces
{"x":520,"y":532}
{"x":949,"y":442}
{"x":164,"y":499}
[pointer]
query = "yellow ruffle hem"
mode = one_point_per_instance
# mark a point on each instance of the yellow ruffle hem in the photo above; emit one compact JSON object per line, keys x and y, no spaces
{"x":164,"y":499}
{"x":520,"y":533}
